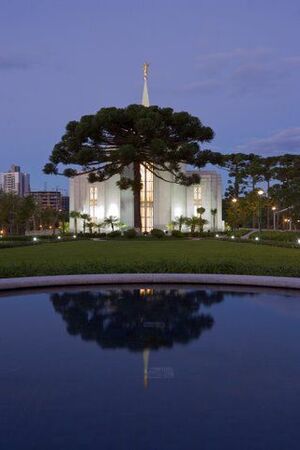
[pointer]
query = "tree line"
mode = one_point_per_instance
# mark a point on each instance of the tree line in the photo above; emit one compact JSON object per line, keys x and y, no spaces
{"x":269,"y":186}
{"x":21,"y":214}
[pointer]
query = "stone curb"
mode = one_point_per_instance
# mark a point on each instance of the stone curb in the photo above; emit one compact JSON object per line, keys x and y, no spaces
{"x":149,"y":278}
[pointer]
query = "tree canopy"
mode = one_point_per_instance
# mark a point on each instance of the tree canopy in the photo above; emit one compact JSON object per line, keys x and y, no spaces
{"x":106,"y":143}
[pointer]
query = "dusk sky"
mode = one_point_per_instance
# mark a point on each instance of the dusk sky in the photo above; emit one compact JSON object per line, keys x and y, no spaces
{"x":233,"y":63}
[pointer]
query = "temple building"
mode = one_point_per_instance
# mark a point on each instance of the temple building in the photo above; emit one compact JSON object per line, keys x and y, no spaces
{"x":161,"y":202}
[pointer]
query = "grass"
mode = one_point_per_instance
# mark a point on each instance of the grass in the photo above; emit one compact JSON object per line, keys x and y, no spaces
{"x":182,"y":256}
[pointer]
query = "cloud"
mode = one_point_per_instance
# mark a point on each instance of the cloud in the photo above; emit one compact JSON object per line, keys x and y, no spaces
{"x":15,"y":63}
{"x":292,"y":61}
{"x":284,"y":141}
{"x":243,"y":71}
{"x":221,"y":60}
{"x":258,"y":77}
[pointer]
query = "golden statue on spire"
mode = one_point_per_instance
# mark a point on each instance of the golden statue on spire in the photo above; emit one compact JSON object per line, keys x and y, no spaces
{"x":146,"y":70}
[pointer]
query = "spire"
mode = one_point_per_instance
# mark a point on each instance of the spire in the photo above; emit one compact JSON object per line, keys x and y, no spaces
{"x":145,"y":99}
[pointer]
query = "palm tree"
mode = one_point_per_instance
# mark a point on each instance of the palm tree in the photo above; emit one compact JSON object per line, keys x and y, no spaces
{"x":192,"y":222}
{"x":200,"y":211}
{"x":214,"y":213}
{"x":85,"y":218}
{"x":112,"y":222}
{"x":179,"y":221}
{"x":99,"y":225}
{"x":75,"y":215}
{"x":91,"y":225}
{"x":201,"y":221}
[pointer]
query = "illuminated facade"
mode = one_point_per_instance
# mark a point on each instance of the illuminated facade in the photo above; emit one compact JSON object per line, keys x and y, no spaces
{"x":147,"y":199}
{"x":161,"y":201}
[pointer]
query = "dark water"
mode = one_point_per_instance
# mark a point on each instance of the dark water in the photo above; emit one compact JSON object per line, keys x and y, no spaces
{"x":150,"y":369}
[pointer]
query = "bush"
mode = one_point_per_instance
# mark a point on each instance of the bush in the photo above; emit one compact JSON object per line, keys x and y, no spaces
{"x":114,"y":234}
{"x":23,"y":238}
{"x":130,"y":234}
{"x":279,"y":236}
{"x":177,"y":234}
{"x":157,"y":233}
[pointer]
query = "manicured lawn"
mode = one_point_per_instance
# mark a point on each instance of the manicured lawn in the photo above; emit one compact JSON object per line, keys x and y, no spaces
{"x":204,"y":256}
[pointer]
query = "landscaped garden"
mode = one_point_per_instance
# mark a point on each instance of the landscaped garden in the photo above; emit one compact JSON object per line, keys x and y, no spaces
{"x":174,"y":256}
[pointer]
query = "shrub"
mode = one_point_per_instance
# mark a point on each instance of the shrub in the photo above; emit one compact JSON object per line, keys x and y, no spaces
{"x":130,"y":234}
{"x":177,"y":234}
{"x":157,"y":233}
{"x":114,"y":234}
{"x":279,"y":236}
{"x":16,"y":238}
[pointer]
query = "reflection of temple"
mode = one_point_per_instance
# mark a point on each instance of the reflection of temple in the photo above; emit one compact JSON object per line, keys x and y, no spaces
{"x":146,"y":352}
{"x":137,"y":319}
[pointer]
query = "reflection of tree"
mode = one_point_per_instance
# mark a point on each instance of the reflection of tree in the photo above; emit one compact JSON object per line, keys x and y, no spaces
{"x":136,"y":318}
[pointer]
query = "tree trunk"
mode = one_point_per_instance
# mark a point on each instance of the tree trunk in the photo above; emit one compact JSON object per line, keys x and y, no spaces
{"x":137,"y":196}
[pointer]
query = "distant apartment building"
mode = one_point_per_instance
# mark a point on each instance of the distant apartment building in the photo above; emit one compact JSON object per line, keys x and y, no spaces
{"x":65,"y":203}
{"x":48,"y":199}
{"x":14,"y":181}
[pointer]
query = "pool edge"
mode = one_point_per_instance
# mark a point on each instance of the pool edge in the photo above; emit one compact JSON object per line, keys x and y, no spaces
{"x":149,"y":278}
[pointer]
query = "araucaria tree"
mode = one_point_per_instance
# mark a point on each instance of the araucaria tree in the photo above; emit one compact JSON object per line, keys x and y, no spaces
{"x":118,"y":141}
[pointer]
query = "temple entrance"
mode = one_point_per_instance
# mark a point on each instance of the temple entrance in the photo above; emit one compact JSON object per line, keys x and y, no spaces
{"x":146,"y":199}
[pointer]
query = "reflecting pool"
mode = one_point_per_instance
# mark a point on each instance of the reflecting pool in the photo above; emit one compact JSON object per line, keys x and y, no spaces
{"x":150,"y":368}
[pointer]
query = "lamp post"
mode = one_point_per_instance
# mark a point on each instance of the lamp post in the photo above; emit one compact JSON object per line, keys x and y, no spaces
{"x":234,"y":201}
{"x":260,"y":194}
{"x":274,"y":217}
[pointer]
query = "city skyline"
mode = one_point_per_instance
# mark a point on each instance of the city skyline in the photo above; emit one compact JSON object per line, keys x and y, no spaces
{"x":65,"y":62}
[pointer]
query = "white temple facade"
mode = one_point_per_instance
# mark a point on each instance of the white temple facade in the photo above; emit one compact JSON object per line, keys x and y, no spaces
{"x":161,"y":201}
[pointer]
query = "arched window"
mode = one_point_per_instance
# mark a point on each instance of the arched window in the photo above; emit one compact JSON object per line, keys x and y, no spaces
{"x":197,"y":198}
{"x":93,"y":201}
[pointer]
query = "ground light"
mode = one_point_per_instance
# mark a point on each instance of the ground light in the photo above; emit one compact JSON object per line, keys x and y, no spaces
{"x":217,"y":236}
{"x":74,"y":236}
{"x":257,"y":238}
{"x":298,"y":240}
{"x":58,"y":237}
{"x":34,"y":239}
{"x":232,"y":237}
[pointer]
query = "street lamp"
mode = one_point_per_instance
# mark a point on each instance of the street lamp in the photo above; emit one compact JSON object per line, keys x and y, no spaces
{"x":260,"y":194}
{"x":234,"y":201}
{"x":274,"y":217}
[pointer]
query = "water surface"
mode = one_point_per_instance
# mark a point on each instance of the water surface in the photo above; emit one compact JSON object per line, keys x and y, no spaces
{"x":144,"y":368}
